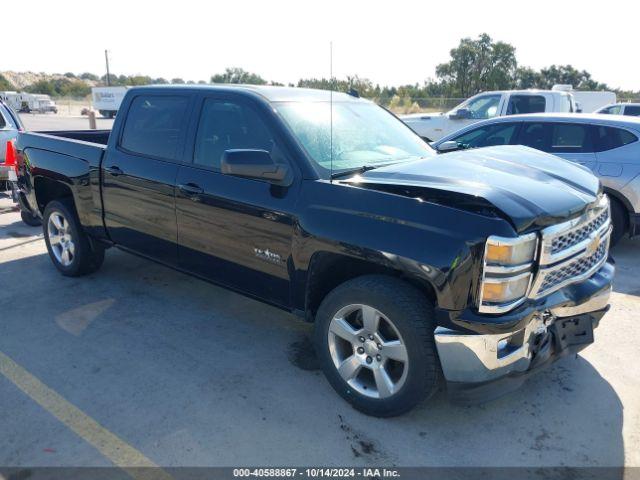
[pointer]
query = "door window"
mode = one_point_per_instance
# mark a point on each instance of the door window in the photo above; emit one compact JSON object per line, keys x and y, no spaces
{"x":570,"y":138}
{"x":526,"y":104}
{"x":154,"y":126}
{"x":613,"y":110}
{"x":485,"y":106}
{"x":226,"y":125}
{"x":608,"y":138}
{"x":632,"y":110}
{"x":535,"y":135}
{"x":489,"y":135}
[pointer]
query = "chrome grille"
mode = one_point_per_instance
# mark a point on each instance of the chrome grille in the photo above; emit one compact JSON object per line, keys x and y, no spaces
{"x":573,"y":268}
{"x":574,"y":250}
{"x":579,"y":234}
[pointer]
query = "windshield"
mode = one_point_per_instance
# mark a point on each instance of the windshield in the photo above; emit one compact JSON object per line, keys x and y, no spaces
{"x":363,"y":134}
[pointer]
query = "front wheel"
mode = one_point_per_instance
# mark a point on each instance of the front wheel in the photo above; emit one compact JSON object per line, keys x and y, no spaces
{"x":374,"y":338}
{"x":68,"y":245}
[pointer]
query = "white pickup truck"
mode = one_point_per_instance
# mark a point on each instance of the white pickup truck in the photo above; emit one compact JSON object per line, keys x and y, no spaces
{"x":434,"y":126}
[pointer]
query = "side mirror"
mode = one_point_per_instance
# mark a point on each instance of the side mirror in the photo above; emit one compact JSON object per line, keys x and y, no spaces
{"x":256,"y":164}
{"x":460,"y":114}
{"x":448,"y":146}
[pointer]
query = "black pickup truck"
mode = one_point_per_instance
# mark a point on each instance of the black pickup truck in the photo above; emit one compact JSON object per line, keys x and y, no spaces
{"x":476,"y":268}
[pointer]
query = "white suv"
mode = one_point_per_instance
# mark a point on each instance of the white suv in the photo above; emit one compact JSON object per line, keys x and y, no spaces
{"x":629,"y":109}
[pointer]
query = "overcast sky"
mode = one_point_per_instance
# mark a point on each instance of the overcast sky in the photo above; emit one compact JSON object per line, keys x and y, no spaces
{"x":390,"y":42}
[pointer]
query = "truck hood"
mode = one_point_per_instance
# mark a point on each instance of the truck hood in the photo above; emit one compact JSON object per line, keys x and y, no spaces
{"x":527,"y":187}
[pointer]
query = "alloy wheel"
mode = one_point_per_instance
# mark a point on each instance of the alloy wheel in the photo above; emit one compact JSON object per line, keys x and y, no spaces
{"x":60,"y":239}
{"x":368,"y":351}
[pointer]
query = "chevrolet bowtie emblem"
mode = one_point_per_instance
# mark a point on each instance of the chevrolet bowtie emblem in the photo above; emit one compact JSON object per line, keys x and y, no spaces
{"x":593,"y":246}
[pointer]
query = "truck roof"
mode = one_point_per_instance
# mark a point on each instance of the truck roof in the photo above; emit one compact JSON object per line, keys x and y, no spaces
{"x":269,"y":92}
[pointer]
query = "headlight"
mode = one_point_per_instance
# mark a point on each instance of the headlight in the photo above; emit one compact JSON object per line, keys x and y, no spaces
{"x":507,"y":272}
{"x":506,"y":252}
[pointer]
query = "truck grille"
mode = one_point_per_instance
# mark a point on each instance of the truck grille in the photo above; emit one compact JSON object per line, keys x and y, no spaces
{"x":574,"y":268}
{"x":567,"y":240}
{"x":574,"y":250}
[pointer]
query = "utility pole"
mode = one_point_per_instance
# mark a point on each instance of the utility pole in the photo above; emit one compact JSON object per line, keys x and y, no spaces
{"x":106,"y":57}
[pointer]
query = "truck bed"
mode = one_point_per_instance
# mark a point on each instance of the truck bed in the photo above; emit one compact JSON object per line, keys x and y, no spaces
{"x":92,"y":136}
{"x":88,"y":145}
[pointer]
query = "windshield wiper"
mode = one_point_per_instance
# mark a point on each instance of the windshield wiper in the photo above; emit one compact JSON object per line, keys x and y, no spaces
{"x":344,"y":173}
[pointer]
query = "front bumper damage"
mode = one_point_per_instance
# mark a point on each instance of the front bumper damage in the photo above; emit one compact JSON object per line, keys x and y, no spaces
{"x":482,"y":366}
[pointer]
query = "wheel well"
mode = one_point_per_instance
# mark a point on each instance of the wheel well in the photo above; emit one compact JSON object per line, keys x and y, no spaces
{"x":623,"y":202}
{"x":328,"y":270}
{"x":48,"y":190}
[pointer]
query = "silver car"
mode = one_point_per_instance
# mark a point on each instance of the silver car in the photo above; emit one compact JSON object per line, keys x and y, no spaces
{"x":606,"y":144}
{"x":10,"y":125}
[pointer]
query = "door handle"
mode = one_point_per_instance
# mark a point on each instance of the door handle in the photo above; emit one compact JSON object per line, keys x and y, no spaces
{"x":114,"y":170}
{"x":190,"y":189}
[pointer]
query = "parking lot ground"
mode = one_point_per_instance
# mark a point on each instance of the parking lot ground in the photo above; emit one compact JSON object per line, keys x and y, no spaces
{"x":188,"y":374}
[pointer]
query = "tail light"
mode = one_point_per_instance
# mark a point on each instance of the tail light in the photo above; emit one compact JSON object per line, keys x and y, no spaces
{"x":11,"y":160}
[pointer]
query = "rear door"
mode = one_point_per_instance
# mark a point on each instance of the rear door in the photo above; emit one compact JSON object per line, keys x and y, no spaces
{"x":235,"y":231}
{"x":525,"y":103}
{"x":571,"y":141}
{"x":139,"y":175}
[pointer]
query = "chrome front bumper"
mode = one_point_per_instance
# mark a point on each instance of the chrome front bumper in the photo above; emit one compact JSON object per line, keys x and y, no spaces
{"x":476,"y":358}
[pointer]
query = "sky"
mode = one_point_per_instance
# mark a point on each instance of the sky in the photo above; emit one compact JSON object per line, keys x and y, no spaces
{"x":390,"y":42}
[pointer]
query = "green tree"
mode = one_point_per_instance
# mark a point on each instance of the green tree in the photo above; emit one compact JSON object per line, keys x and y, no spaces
{"x":176,"y":81}
{"x":5,"y":84}
{"x":567,"y":74}
{"x":478,"y":65}
{"x":238,"y":75}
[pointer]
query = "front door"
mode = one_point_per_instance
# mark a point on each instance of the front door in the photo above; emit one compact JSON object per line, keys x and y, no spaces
{"x":140,"y":173}
{"x":234,"y":231}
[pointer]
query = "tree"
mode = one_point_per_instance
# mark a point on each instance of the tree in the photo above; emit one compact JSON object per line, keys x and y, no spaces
{"x":5,"y":84}
{"x":89,"y":76}
{"x":478,"y":65}
{"x":238,"y":75}
{"x":527,"y":78}
{"x":567,"y":74}
{"x":177,"y":81}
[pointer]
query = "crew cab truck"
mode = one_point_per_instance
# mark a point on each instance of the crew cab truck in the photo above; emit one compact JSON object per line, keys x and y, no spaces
{"x":433,"y":126}
{"x":471,"y":268}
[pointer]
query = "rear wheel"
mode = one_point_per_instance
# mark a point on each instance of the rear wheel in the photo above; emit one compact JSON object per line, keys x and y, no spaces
{"x":618,"y":220}
{"x":30,"y":219}
{"x":68,"y":245}
{"x":374,"y":338}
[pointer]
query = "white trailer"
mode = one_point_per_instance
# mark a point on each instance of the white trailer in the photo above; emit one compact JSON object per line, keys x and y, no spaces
{"x":107,"y":100}
{"x":43,"y":104}
{"x":588,"y":102}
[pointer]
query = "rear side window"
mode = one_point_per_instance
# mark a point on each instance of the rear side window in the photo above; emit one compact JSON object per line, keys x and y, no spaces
{"x":632,"y":110}
{"x":154,"y":126}
{"x":526,"y":104}
{"x":226,"y":125}
{"x":570,"y":138}
{"x":490,"y":135}
{"x":608,"y":138}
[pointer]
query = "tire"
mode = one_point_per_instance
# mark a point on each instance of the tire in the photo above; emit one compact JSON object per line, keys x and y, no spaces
{"x":618,"y":220}
{"x":30,"y":219}
{"x":407,"y":317}
{"x":62,"y":229}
